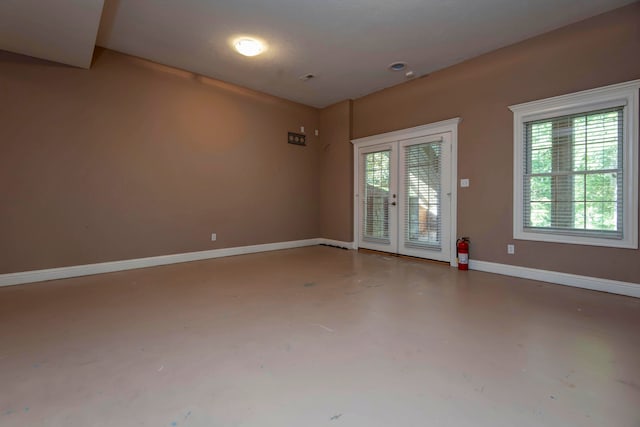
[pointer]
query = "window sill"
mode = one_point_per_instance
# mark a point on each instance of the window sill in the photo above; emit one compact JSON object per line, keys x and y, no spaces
{"x":627,"y":243}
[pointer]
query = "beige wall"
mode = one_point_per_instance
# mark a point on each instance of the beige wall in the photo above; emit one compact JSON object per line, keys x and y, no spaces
{"x":600,"y":51}
{"x":132,"y":159}
{"x":336,"y":195}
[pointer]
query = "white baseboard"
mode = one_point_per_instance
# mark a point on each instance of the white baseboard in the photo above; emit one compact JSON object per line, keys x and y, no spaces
{"x":586,"y":282}
{"x":130,"y":264}
{"x":337,"y":243}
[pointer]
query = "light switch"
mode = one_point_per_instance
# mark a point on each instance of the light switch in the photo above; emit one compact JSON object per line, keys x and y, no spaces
{"x":464,"y":182}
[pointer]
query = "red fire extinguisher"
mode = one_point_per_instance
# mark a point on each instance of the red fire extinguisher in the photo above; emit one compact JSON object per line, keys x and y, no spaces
{"x":462,"y":249}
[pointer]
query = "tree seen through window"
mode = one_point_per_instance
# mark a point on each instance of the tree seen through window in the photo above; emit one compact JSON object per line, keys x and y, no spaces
{"x":573,"y":172}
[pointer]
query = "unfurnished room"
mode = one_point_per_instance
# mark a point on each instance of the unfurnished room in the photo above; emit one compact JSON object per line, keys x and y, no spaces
{"x":305,"y":213}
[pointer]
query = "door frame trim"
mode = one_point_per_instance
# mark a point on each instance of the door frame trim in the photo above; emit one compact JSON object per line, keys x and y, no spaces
{"x":443,"y":126}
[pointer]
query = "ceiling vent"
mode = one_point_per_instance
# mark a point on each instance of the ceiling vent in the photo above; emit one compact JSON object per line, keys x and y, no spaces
{"x":397,"y":66}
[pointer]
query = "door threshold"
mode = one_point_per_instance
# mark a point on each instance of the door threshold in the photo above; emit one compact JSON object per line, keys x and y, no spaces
{"x":408,"y":257}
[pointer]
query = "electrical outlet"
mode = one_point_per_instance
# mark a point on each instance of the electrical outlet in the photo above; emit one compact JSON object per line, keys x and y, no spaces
{"x":464,"y":182}
{"x":511,"y":249}
{"x":214,"y":237}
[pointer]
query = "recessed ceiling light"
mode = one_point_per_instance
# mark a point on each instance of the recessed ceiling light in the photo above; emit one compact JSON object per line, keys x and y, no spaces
{"x":397,"y":66}
{"x":249,"y":47}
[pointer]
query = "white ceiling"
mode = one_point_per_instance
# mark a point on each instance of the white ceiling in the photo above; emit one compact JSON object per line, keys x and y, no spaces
{"x":58,"y":30}
{"x":346,"y":44}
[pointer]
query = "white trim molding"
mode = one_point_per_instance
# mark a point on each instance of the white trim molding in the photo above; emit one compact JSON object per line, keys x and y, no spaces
{"x":130,"y":264}
{"x":624,"y":95}
{"x":414,"y":132}
{"x":584,"y":282}
{"x":445,"y":126}
{"x":604,"y":285}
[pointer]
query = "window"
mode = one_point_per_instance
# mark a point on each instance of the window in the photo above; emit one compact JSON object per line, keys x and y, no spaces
{"x":376,"y":195}
{"x":576,"y":168}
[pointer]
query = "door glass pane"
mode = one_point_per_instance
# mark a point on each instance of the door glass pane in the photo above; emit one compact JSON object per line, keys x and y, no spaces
{"x":422,"y":191}
{"x":375,"y":221}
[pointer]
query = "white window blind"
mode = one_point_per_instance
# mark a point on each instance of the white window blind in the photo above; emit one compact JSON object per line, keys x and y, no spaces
{"x":576,"y":167}
{"x":423,"y":225}
{"x":573,"y":181}
{"x":375,"y":221}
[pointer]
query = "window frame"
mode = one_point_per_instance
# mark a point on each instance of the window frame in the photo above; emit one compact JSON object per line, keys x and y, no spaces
{"x":622,"y":94}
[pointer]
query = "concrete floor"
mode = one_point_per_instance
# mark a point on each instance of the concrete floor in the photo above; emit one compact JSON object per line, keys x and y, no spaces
{"x":316,"y":337}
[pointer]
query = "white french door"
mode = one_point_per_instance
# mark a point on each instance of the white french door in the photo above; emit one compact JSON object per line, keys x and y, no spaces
{"x":403,"y":197}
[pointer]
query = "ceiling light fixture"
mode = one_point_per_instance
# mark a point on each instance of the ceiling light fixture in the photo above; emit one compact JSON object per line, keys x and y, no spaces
{"x":249,"y":47}
{"x":397,"y":66}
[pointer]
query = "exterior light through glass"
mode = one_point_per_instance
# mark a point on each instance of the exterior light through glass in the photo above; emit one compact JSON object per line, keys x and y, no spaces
{"x":249,"y":47}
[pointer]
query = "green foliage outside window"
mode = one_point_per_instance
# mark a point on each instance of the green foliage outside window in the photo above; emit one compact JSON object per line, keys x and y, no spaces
{"x":377,"y":169}
{"x":574,"y":161}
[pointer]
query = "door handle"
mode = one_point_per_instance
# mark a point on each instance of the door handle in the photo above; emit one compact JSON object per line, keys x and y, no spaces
{"x":393,"y":203}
